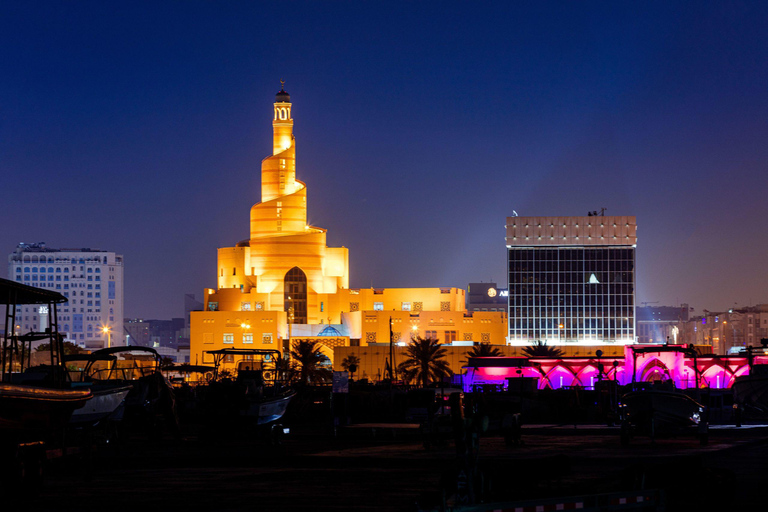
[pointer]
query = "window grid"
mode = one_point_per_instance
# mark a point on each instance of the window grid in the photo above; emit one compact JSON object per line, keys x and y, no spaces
{"x":571,"y":294}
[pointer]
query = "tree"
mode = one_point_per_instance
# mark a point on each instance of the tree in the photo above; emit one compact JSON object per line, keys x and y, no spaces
{"x":308,"y":356}
{"x":69,"y":348}
{"x":541,"y":349}
{"x":350,"y":363}
{"x":425,"y":361}
{"x":283,"y":369}
{"x":166,"y":362}
{"x":484,"y":350}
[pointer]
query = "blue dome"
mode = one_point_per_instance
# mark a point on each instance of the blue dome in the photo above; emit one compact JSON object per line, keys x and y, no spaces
{"x":329,"y":331}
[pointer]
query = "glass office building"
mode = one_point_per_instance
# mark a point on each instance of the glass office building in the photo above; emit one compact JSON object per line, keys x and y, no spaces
{"x":571,"y":279}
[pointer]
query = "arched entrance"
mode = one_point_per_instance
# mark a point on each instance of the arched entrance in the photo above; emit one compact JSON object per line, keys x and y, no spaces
{"x":295,"y":295}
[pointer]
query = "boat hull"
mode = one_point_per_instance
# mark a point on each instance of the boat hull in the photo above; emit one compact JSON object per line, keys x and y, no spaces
{"x":269,"y":410}
{"x":36,"y":408}
{"x":106,"y":403}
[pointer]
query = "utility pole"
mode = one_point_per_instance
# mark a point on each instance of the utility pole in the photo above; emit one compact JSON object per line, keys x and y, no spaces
{"x":391,"y":353}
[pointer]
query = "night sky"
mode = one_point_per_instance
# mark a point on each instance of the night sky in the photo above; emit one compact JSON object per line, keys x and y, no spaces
{"x":139,"y":127}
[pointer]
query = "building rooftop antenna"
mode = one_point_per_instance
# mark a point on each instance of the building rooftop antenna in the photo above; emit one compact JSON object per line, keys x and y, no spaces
{"x":596,"y":213}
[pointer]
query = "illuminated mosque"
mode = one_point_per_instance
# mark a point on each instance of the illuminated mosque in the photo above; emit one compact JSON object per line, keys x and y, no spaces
{"x":284,"y":283}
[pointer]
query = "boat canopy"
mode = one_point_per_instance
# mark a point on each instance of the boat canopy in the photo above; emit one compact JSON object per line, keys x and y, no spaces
{"x":12,"y":292}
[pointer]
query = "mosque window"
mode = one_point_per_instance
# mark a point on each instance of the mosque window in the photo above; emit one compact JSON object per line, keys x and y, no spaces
{"x":445,"y":306}
{"x":247,"y":337}
{"x":229,"y":338}
{"x":245,"y":306}
{"x":213,"y":306}
{"x":450,"y":337}
{"x":378,"y":306}
{"x":266,"y":338}
{"x":406,"y":306}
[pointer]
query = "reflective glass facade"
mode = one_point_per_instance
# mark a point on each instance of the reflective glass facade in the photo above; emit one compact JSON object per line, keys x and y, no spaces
{"x":562,"y":294}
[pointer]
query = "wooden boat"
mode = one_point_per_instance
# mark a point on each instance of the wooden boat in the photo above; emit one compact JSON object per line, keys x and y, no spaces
{"x":40,"y":401}
{"x":35,"y":408}
{"x":33,"y":415}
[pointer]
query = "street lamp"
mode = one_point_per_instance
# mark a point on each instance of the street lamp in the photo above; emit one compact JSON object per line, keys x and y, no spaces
{"x":108,"y":331}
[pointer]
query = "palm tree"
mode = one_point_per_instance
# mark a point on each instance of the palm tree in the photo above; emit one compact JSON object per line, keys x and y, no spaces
{"x":350,"y":363}
{"x":282,"y":368}
{"x":307,"y":354}
{"x":541,"y":349}
{"x":484,"y":350}
{"x":424,"y":361}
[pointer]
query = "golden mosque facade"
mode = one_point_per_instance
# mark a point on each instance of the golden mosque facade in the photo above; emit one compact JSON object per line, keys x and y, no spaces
{"x":284,"y":283}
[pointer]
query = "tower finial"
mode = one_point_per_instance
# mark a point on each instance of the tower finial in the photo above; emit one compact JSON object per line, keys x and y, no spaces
{"x":282,"y":85}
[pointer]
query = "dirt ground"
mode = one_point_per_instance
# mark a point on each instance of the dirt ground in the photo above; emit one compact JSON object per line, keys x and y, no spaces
{"x":381,"y":469}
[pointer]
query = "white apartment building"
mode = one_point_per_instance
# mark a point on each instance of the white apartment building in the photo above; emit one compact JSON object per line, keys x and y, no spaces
{"x":91,"y":279}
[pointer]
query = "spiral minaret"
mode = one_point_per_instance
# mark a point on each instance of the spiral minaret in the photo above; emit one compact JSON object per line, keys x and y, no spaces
{"x":285,"y":257}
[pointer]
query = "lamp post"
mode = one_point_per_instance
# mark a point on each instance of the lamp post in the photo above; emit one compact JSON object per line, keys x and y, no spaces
{"x":108,"y":331}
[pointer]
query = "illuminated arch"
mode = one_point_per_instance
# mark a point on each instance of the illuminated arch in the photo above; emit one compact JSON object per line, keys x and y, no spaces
{"x":654,"y":370}
{"x":588,"y":376}
{"x":717,"y":376}
{"x":739,"y":372}
{"x":560,"y":376}
{"x":326,"y":351}
{"x":295,"y":294}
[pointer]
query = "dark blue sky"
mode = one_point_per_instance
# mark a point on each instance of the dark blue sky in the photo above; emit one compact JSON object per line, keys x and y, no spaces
{"x":139,"y":127}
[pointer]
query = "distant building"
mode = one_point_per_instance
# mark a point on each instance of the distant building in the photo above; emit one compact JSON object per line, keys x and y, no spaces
{"x":137,"y":332}
{"x":571,"y":279}
{"x":727,"y":331}
{"x":91,"y":279}
{"x":660,"y":324}
{"x":486,"y":297}
{"x":156,"y":333}
{"x":166,"y":333}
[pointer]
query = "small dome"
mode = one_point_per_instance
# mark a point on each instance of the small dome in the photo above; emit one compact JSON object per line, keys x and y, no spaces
{"x":282,"y":97}
{"x":329,"y":331}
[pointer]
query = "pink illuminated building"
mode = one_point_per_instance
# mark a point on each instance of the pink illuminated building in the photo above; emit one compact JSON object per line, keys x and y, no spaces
{"x":640,"y":363}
